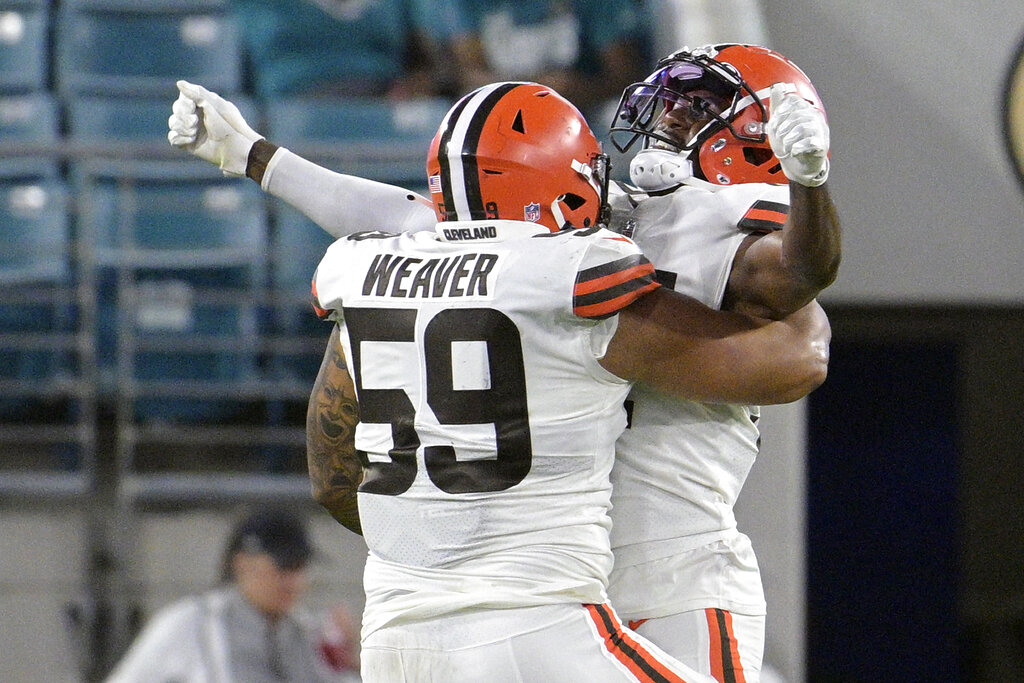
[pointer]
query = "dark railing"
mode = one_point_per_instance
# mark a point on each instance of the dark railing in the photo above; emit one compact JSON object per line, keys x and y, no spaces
{"x":78,"y":430}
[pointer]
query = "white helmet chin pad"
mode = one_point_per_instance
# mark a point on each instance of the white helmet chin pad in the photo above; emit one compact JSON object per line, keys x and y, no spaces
{"x":658,"y":169}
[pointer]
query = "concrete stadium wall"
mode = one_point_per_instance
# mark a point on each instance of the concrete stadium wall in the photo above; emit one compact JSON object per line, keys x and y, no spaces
{"x":42,"y":574}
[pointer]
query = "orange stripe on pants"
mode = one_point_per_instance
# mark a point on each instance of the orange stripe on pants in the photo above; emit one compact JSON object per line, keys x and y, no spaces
{"x":725,"y":657}
{"x":640,"y":662}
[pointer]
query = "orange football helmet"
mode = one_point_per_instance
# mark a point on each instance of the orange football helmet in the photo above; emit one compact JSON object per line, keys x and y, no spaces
{"x":724,"y":87}
{"x":518,"y":151}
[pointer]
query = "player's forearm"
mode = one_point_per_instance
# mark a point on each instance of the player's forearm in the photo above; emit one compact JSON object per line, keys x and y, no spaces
{"x":343,"y":204}
{"x":335,"y":471}
{"x":680,"y":347}
{"x":794,"y":356}
{"x":771,"y":362}
{"x":812,"y":239}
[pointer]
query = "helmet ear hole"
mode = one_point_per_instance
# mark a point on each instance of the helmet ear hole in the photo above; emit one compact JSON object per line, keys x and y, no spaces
{"x":757,"y":156}
{"x":573,"y":201}
{"x":517,"y":124}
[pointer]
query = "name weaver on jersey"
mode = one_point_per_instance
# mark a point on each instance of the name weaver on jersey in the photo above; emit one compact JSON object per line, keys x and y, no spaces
{"x":408,"y":277}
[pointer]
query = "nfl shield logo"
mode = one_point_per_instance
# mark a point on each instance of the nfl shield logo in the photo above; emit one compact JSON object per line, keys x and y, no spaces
{"x":532,"y":212}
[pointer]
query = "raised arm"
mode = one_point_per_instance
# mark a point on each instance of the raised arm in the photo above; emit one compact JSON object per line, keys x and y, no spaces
{"x":343,"y":204}
{"x":212,"y":128}
{"x":677,"y":345}
{"x":335,"y":470}
{"x":780,"y":272}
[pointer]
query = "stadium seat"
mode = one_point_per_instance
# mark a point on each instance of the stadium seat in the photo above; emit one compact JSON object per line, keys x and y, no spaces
{"x":40,"y":342}
{"x":180,"y":253}
{"x":29,"y":119}
{"x":36,"y":230}
{"x":371,"y":137}
{"x":32,"y":117}
{"x":298,"y":244}
{"x":36,"y":290}
{"x":169,"y":214}
{"x":142,"y":46}
{"x":24,"y":45}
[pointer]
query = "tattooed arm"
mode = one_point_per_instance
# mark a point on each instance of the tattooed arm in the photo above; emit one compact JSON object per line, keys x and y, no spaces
{"x":334,"y":467}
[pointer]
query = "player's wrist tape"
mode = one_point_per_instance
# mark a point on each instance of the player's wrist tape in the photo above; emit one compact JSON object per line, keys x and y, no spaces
{"x":259,"y":157}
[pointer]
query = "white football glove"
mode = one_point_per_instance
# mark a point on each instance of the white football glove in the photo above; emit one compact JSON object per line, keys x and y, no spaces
{"x":212,"y":128}
{"x":798,"y":134}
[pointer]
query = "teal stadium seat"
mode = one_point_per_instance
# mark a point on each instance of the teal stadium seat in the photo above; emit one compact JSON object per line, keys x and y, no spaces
{"x":40,"y":365}
{"x":27,"y":120}
{"x":298,"y":245}
{"x":36,"y":231}
{"x":370,"y":137}
{"x":180,"y":252}
{"x":24,"y":45}
{"x":142,"y":46}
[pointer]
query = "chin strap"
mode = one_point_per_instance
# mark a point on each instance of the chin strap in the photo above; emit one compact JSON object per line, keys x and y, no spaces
{"x":556,"y":211}
{"x":653,"y":170}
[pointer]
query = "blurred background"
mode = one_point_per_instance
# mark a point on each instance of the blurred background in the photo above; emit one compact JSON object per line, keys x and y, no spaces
{"x":157,"y":347}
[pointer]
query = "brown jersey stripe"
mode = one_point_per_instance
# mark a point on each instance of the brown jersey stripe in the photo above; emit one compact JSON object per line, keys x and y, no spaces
{"x":725,"y":657}
{"x":764,"y":215}
{"x":641,"y":663}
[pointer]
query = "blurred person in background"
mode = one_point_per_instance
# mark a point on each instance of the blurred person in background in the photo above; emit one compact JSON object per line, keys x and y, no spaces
{"x":248,"y":629}
{"x":345,"y":47}
{"x":587,"y":51}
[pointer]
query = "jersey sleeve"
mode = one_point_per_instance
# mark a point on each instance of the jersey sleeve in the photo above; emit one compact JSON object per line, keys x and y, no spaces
{"x":344,"y":204}
{"x":328,"y":280}
{"x":756,"y":207}
{"x":314,"y":299}
{"x":612,"y":274}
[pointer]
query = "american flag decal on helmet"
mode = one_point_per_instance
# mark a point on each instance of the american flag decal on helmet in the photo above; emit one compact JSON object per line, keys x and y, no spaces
{"x":764,"y":216}
{"x":434,"y":184}
{"x":603,"y":290}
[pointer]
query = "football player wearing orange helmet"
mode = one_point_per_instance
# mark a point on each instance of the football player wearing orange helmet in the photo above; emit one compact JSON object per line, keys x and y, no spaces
{"x":731,"y":204}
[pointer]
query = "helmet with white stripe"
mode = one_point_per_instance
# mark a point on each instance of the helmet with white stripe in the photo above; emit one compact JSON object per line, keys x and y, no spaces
{"x":702,"y":114}
{"x":517,"y":151}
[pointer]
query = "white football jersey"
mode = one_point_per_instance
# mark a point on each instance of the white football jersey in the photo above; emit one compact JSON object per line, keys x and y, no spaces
{"x":487,"y":424}
{"x":680,"y":465}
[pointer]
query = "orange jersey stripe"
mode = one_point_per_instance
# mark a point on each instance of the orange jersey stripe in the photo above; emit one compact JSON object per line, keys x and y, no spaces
{"x":315,"y":300}
{"x":616,"y":278}
{"x":619,"y":642}
{"x":612,"y":305}
{"x":766,"y":215}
